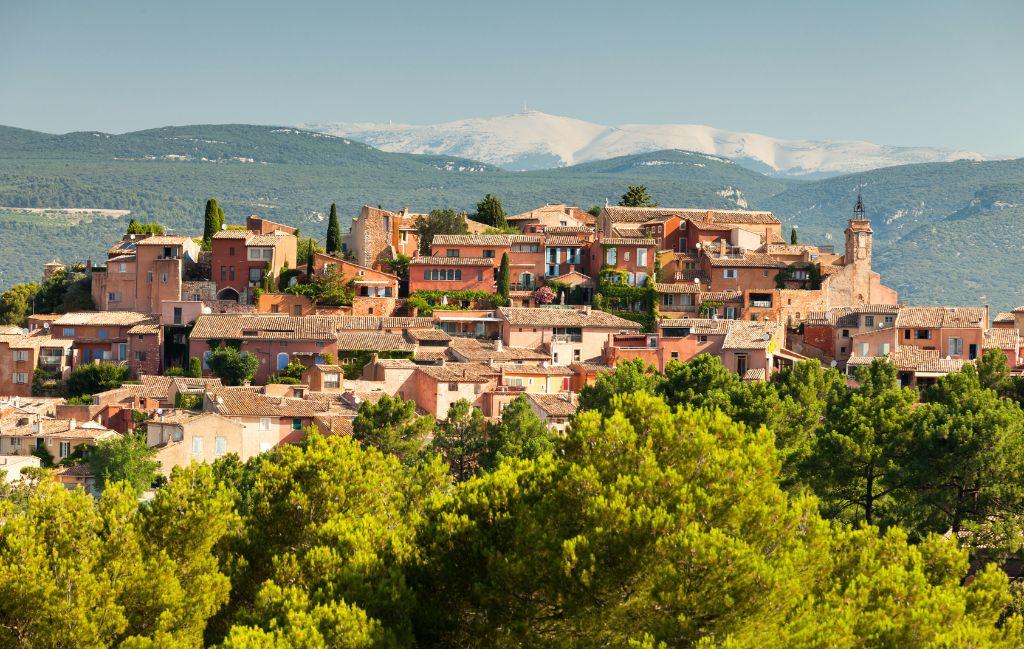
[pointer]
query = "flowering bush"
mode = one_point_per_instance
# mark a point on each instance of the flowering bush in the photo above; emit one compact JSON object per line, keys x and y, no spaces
{"x":544,"y":295}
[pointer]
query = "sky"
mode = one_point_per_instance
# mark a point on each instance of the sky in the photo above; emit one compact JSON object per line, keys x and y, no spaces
{"x":901,"y":72}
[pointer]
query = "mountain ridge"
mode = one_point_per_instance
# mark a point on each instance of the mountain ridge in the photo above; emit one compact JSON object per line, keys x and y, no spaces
{"x":535,"y":140}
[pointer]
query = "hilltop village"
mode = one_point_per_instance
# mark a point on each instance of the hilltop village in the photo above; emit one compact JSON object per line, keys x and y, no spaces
{"x":241,"y":339}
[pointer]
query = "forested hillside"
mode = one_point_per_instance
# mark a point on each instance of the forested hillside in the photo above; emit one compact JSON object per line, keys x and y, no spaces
{"x":290,"y":175}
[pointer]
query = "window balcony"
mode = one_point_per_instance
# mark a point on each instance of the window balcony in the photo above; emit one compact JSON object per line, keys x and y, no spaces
{"x":761,"y":304}
{"x":567,"y":338}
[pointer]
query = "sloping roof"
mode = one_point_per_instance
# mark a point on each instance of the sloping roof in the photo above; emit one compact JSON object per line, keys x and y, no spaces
{"x":564,"y":404}
{"x":284,"y":327}
{"x":1003,"y":318}
{"x":749,"y":259}
{"x":65,"y":428}
{"x":231,"y":234}
{"x":483,"y":239}
{"x":573,"y":278}
{"x":271,"y":239}
{"x":628,"y":241}
{"x":700,"y":326}
{"x":471,"y":349}
{"x":908,"y":358}
{"x":35,"y":340}
{"x":564,"y":240}
{"x":1001,"y":339}
{"x":568,"y":229}
{"x":451,"y":261}
{"x":428,"y":334}
{"x":564,"y":317}
{"x":248,"y":403}
{"x":145,"y":328}
{"x":679,"y":287}
{"x":459,"y":372}
{"x":100,"y":319}
{"x":755,"y":374}
{"x":164,"y":240}
{"x":942,"y":316}
{"x":373,"y":341}
{"x":539,"y":370}
{"x":750,"y":334}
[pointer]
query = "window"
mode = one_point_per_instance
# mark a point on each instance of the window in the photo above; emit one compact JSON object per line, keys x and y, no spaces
{"x":220,"y":445}
{"x":453,"y":387}
{"x":163,"y":278}
{"x":576,"y":355}
{"x":149,"y":276}
{"x":177,"y":315}
{"x":122,"y":351}
{"x":264,"y":423}
{"x":729,"y":273}
{"x":296,"y":424}
{"x":869,"y":321}
{"x":255,"y":275}
{"x":863,"y":349}
{"x":65,"y":449}
{"x":69,"y":332}
{"x":20,"y":355}
{"x":611,"y":256}
{"x":674,"y":356}
{"x":479,"y":275}
{"x":641,"y":256}
{"x":331,"y":380}
{"x":282,"y":361}
{"x":102,"y":334}
{"x":122,"y":268}
{"x":113,"y":297}
{"x":741,"y":364}
{"x":21,"y":377}
{"x":261,"y":254}
{"x":451,"y":252}
{"x":625,"y":256}
{"x":846,"y":333}
{"x":890,"y":319}
{"x":923,"y":334}
{"x":206,"y":356}
{"x":666,"y":299}
{"x":730,"y":313}
{"x":883,"y":349}
{"x":702,"y":339}
{"x":488,"y":254}
{"x":140,"y":356}
{"x":641,"y":279}
{"x":223,"y":273}
{"x":956,"y":346}
{"x":197,"y":446}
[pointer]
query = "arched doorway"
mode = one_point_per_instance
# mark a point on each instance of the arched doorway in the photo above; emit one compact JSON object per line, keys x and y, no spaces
{"x":227,"y":293}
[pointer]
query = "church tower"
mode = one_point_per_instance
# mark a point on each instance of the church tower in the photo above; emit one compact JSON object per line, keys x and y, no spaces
{"x":858,"y":235}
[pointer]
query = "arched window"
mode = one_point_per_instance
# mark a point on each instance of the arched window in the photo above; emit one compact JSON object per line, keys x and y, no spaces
{"x":458,"y":273}
{"x":282,"y":361}
{"x":426,"y":274}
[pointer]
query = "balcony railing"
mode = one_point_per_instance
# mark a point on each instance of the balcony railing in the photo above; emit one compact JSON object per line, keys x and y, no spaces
{"x":519,"y":286}
{"x":761,"y":304}
{"x":677,"y":307}
{"x":566,"y":338}
{"x":505,"y":389}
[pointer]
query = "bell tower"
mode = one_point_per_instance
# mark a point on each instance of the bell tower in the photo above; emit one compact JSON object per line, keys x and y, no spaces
{"x":858,"y":235}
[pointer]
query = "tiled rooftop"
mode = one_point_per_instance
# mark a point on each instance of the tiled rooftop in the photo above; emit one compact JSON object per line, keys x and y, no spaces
{"x":558,"y":317}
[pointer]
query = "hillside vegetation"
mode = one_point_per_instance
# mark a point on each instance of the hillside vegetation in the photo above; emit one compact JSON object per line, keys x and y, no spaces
{"x":291,"y":175}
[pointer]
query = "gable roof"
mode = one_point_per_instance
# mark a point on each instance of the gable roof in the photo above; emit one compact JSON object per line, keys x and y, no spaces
{"x":459,"y":372}
{"x":750,"y":334}
{"x":564,"y":404}
{"x":100,"y":319}
{"x":452,"y":261}
{"x":563,"y":317}
{"x":960,"y":317}
{"x":284,"y":327}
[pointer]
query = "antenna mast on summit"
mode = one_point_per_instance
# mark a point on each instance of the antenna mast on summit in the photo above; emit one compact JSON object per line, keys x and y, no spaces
{"x":524,"y":108}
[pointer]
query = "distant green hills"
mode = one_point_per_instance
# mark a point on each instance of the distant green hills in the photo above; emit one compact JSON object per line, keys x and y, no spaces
{"x":944,"y":231}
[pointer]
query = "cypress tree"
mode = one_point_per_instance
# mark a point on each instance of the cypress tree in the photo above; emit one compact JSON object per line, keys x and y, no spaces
{"x":213,"y":219}
{"x":309,"y":259}
{"x":504,"y":279}
{"x":333,"y":232}
{"x":792,"y":235}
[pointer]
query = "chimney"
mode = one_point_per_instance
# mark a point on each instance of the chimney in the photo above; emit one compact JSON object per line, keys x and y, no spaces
{"x":72,"y":424}
{"x":499,"y":345}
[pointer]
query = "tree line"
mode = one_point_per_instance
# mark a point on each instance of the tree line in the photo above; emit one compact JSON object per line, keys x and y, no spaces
{"x":685,"y":509}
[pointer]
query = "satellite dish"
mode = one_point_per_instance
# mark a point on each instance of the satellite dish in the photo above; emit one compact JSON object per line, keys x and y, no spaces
{"x":207,"y":310}
{"x":881,"y":325}
{"x":766,"y":337}
{"x":696,"y":280}
{"x":159,"y":411}
{"x":46,"y":326}
{"x":833,"y":363}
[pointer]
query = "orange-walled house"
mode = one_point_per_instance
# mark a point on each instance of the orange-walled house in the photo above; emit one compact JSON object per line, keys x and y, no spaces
{"x":181,"y":437}
{"x":955,"y":332}
{"x":552,"y":215}
{"x":376,"y":292}
{"x":571,"y":335}
{"x":240,"y":259}
{"x":98,"y":335}
{"x":1006,"y":340}
{"x":525,"y":254}
{"x":435,"y":388}
{"x":143,"y":271}
{"x":452,"y":274}
{"x":22,"y":354}
{"x":635,"y":256}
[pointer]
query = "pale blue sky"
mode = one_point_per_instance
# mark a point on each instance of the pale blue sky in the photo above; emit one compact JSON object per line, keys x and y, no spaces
{"x":898,"y":72}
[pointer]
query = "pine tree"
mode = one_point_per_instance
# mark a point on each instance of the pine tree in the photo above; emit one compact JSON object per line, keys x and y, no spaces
{"x":134,"y":227}
{"x":504,"y":279}
{"x":490,"y":212}
{"x":792,"y":235}
{"x":637,"y":196}
{"x":333,"y":232}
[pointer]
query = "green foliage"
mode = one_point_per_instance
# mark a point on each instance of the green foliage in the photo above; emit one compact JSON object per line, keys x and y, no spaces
{"x":87,"y":380}
{"x":16,"y":304}
{"x":327,"y":289}
{"x":504,"y":279}
{"x":231,"y":366}
{"x":428,"y":301}
{"x":446,"y":221}
{"x":195,"y":367}
{"x":792,"y":236}
{"x":461,"y":439}
{"x":392,"y":426}
{"x":400,"y":266}
{"x":333,"y":246}
{"x":213,"y":221}
{"x":628,"y":377}
{"x":134,"y":227}
{"x":46,"y":384}
{"x":637,"y":196}
{"x":187,"y":401}
{"x":595,"y":210}
{"x":127,"y":459}
{"x":490,"y":212}
{"x":356,"y":360}
{"x":520,"y":434}
{"x":80,"y":572}
{"x":174,"y":371}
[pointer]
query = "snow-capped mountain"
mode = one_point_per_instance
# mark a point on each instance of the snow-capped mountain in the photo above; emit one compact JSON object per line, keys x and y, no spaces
{"x":536,"y":140}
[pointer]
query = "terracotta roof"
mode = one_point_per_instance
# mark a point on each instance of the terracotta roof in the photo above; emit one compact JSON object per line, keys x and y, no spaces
{"x":560,"y":209}
{"x":751,"y":334}
{"x":284,"y":327}
{"x":960,"y":317}
{"x":573,"y":278}
{"x":333,"y":424}
{"x":231,"y":234}
{"x":248,"y":403}
{"x":393,"y":364}
{"x":164,"y":240}
{"x":749,"y":258}
{"x":564,"y":404}
{"x":1001,"y":339}
{"x":451,"y":261}
{"x":10,"y":330}
{"x":628,"y":241}
{"x":35,"y":340}
{"x":429,"y":355}
{"x":564,"y":240}
{"x":679,"y":287}
{"x":568,"y":229}
{"x":373,"y":341}
{"x":483,"y":239}
{"x":618,"y":213}
{"x":755,"y":374}
{"x":100,"y":319}
{"x":428,"y":334}
{"x":459,"y":372}
{"x":563,"y":317}
{"x":699,"y":326}
{"x":472,"y":349}
{"x":1004,"y":318}
{"x":690,"y":274}
{"x":144,"y":328}
{"x":272,"y":239}
{"x":908,"y":358}
{"x":64,"y":428}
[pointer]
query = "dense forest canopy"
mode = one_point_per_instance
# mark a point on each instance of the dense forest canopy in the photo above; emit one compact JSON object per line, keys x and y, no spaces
{"x":680,"y":509}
